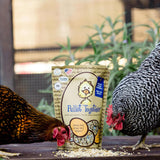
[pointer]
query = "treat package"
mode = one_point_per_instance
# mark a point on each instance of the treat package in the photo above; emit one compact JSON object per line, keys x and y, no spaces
{"x":80,"y":95}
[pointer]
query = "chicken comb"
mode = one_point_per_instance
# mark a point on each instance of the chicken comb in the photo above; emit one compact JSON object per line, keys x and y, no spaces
{"x":109,"y":115}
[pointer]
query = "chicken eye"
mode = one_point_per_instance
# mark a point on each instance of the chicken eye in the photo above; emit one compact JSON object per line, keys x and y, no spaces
{"x":121,"y":114}
{"x":117,"y":117}
{"x":64,"y":132}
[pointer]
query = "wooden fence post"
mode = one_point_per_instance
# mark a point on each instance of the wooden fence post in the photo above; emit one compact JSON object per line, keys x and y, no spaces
{"x":6,"y":44}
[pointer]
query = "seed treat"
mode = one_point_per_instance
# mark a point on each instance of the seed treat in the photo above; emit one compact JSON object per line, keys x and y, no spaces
{"x":84,"y":152}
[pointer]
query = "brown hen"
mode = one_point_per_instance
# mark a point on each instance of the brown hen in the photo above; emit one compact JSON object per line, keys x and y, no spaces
{"x":22,"y":123}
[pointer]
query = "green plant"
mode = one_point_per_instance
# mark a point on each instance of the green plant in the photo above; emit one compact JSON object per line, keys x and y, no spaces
{"x":111,"y":42}
{"x":68,"y":58}
{"x":45,"y":107}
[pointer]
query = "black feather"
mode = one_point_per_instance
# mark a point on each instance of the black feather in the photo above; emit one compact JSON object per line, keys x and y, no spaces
{"x":138,"y":97}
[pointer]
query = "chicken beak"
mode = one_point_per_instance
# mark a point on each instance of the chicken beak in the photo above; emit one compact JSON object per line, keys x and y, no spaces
{"x":68,"y":141}
{"x":86,"y":91}
{"x":111,"y":127}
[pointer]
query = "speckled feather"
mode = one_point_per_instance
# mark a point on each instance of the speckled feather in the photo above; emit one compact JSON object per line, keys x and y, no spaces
{"x":138,"y":97}
{"x":20,"y":122}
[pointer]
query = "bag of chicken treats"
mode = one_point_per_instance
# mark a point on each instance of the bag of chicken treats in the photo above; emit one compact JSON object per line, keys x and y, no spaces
{"x":80,"y":94}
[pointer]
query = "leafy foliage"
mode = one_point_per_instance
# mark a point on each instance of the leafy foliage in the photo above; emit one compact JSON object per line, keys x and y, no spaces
{"x":113,"y":44}
{"x":46,"y":108}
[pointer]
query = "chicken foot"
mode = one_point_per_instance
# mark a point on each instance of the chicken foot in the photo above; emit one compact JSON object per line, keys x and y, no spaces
{"x":141,"y":144}
{"x":4,"y":154}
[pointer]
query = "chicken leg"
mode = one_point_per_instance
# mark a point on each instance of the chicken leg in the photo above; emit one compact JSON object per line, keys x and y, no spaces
{"x":4,"y":154}
{"x":141,"y":144}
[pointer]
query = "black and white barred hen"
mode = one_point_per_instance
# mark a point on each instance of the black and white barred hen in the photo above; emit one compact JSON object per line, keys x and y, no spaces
{"x":135,"y":108}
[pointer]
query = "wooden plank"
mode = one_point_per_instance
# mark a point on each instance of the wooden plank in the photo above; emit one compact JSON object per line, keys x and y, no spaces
{"x":6,"y":44}
{"x":45,"y":150}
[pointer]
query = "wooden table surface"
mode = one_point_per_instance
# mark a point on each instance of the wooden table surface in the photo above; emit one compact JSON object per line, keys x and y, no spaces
{"x":44,"y":150}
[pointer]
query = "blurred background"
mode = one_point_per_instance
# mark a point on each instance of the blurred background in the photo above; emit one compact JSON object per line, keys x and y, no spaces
{"x":31,"y":31}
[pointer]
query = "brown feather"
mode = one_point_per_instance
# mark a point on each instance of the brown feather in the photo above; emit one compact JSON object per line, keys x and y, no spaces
{"x":22,"y":123}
